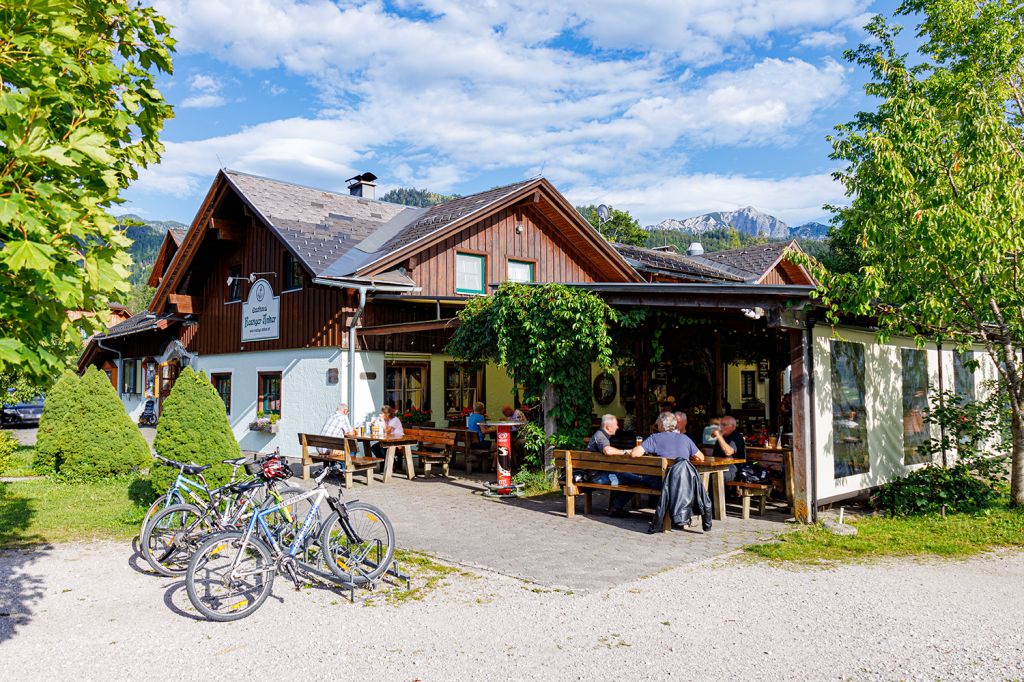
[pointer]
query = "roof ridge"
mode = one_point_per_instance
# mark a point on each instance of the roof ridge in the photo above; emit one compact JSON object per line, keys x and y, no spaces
{"x":308,"y":187}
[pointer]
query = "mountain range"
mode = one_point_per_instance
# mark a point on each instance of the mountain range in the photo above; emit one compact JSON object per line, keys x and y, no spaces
{"x":748,"y":220}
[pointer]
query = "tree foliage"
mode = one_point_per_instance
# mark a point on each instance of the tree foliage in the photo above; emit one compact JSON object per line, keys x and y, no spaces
{"x":935,"y":226}
{"x":421,"y":198}
{"x":85,"y":433}
{"x":621,"y":227}
{"x":79,"y":115}
{"x":540,"y":335}
{"x":194,"y":428}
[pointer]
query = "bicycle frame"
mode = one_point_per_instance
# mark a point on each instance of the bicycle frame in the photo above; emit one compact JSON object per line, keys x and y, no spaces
{"x":258,"y":519}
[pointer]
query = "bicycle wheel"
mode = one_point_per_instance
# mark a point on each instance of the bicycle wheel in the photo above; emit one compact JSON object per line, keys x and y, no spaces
{"x":162,"y":502}
{"x":363,"y":550}
{"x":170,"y":539}
{"x":222,"y":592}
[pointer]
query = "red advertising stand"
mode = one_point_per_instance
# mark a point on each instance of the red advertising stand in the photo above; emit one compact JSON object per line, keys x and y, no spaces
{"x":504,"y":486}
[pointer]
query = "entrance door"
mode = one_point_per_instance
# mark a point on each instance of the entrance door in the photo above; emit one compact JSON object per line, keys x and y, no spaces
{"x":168,"y":375}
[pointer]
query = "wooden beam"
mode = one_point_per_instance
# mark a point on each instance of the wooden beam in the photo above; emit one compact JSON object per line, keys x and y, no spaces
{"x":228,"y":230}
{"x":802,"y":469}
{"x":184,"y":303}
{"x":409,"y":327}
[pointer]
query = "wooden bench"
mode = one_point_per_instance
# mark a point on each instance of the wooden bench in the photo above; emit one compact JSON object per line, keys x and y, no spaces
{"x":472,"y":451}
{"x":435,"y":447}
{"x":584,"y":460}
{"x":748,"y":490}
{"x":339,"y":452}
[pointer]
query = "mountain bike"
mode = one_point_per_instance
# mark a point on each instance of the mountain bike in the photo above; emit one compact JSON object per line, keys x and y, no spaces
{"x":185,"y":490}
{"x":231,"y":574}
{"x":175,"y":531}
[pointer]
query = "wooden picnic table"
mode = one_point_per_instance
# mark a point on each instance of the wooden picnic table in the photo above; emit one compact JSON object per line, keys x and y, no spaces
{"x":390,"y":445}
{"x":715,"y":467}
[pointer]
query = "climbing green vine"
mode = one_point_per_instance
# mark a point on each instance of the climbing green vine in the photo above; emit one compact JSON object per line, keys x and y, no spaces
{"x":540,"y":335}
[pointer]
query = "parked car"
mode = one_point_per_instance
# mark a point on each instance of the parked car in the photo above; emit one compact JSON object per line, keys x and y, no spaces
{"x":27,"y":412}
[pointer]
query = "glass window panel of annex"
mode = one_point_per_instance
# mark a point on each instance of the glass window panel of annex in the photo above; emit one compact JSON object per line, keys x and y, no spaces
{"x":963,"y":376}
{"x":849,"y":409}
{"x":915,"y":405}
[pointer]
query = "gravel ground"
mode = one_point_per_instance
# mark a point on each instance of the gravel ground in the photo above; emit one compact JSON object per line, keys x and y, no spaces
{"x":82,"y":611}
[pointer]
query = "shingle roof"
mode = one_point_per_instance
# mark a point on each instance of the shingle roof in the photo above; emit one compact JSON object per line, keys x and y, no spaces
{"x":319,"y":226}
{"x":177,"y":235}
{"x":652,"y":260}
{"x":139,"y":322}
{"x":439,"y":215}
{"x":754,"y":261}
{"x":335,"y":234}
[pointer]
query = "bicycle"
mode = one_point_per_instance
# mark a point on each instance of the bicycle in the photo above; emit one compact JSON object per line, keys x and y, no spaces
{"x":183,"y":485}
{"x":356,"y":542}
{"x":175,"y":531}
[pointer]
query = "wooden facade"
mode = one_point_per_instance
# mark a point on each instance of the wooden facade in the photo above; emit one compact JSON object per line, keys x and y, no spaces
{"x":555,"y":257}
{"x":228,"y":239}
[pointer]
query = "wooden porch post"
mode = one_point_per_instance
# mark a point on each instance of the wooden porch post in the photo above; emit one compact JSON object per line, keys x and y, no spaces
{"x":803,"y":464}
{"x":718,"y":376}
{"x":549,"y":400}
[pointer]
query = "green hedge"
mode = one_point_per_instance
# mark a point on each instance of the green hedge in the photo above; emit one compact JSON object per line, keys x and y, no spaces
{"x":7,"y":447}
{"x":85,"y":433}
{"x":194,"y":427}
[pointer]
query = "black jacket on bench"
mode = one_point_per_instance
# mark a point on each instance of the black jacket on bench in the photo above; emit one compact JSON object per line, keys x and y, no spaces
{"x":682,"y":496}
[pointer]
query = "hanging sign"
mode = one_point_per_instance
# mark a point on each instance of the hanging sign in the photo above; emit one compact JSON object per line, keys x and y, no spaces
{"x":261,"y":318}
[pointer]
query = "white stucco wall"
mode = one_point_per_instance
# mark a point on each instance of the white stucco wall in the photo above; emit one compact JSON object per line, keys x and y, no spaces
{"x":307,"y":400}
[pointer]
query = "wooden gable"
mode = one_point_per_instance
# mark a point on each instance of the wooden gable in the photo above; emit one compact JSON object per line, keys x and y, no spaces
{"x":785,"y":271}
{"x":561,"y":244}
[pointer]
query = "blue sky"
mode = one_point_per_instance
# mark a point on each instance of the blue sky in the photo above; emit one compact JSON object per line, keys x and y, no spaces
{"x":666,"y":108}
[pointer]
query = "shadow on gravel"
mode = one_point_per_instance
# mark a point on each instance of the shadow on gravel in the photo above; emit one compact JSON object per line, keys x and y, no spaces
{"x":139,"y":564}
{"x":20,"y":589}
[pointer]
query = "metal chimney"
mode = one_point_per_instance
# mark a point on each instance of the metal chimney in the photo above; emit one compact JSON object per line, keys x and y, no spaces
{"x":695,"y":249}
{"x":363,"y":185}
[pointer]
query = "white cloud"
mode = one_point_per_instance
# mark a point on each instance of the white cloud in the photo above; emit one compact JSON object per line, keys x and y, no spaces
{"x":203,"y":102}
{"x":651,"y":199}
{"x":205,"y":92}
{"x":823,"y":40}
{"x":202,"y":82}
{"x":482,"y":86}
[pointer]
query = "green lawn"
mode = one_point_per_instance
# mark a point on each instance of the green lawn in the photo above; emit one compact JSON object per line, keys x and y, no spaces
{"x":21,"y":462}
{"x":957,"y":535}
{"x":42,"y":511}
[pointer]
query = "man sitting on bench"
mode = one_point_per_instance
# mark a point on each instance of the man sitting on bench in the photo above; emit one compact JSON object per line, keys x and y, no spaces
{"x":729,"y":443}
{"x":601,"y":442}
{"x":337,"y":425}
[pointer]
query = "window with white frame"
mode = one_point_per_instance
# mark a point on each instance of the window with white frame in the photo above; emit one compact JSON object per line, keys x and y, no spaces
{"x":469,"y":273}
{"x":520,"y":271}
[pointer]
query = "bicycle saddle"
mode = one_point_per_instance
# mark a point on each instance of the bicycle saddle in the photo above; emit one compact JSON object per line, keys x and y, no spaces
{"x":236,"y":462}
{"x":194,"y":468}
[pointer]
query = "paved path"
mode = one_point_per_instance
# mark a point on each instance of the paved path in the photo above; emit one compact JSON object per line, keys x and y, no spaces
{"x":81,"y":612}
{"x":532,"y":538}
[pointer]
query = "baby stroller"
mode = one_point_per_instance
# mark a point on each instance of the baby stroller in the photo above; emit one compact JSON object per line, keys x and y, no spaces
{"x":148,"y":417}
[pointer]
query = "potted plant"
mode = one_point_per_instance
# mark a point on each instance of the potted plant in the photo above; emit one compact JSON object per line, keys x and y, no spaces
{"x":417,"y":416}
{"x":265,"y":424}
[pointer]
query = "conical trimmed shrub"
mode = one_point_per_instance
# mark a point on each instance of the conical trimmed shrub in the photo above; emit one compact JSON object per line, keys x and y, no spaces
{"x":85,"y":433}
{"x":194,"y":427}
{"x":63,"y":413}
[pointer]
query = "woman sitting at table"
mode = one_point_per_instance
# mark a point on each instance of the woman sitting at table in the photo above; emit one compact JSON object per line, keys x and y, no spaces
{"x":391,"y":427}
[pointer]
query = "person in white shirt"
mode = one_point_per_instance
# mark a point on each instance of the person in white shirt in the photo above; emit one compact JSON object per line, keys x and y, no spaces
{"x":392,"y":427}
{"x":337,"y":425}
